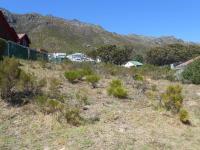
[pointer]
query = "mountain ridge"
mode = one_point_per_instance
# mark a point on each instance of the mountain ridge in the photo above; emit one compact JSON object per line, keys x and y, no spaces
{"x":62,"y":35}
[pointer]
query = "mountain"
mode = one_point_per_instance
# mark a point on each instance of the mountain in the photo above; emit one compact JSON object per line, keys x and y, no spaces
{"x":57,"y":34}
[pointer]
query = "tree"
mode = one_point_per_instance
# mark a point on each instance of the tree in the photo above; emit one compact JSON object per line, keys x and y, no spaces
{"x":113,"y":54}
{"x":192,"y":72}
{"x":172,"y":53}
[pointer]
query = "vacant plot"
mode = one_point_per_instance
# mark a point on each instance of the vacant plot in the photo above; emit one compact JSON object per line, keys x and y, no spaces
{"x":130,"y":123}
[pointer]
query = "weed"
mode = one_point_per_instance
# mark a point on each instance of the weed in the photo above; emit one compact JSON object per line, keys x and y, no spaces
{"x":93,"y":79}
{"x":173,"y":98}
{"x":184,"y":116}
{"x":72,"y":76}
{"x":116,"y":89}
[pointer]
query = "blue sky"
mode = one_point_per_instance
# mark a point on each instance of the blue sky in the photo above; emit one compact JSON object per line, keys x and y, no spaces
{"x":180,"y":18}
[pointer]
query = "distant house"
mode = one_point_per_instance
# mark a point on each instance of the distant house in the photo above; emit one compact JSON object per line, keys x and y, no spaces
{"x":79,"y":57}
{"x":6,"y":31}
{"x":181,"y":66}
{"x":57,"y":57}
{"x":24,"y":39}
{"x":130,"y":64}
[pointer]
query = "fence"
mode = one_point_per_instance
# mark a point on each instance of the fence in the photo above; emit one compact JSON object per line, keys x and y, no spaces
{"x":12,"y":49}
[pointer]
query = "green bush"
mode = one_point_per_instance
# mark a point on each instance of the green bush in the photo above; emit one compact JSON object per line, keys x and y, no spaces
{"x":138,"y":77}
{"x":192,"y":72}
{"x":16,"y":86}
{"x":72,"y":76}
{"x":173,"y":98}
{"x":155,"y":72}
{"x":93,"y":79}
{"x":184,"y":116}
{"x":117,"y":90}
{"x":116,"y":83}
{"x":120,"y":92}
{"x":73,"y":117}
{"x":54,"y":87}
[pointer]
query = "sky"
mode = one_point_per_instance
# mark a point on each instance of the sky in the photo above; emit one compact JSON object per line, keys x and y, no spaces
{"x":180,"y":18}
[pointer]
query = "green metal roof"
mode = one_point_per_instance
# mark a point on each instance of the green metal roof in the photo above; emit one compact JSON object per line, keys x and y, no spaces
{"x":136,"y":63}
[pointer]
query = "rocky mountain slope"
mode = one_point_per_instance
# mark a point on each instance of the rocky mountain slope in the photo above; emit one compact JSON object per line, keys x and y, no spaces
{"x":57,"y":34}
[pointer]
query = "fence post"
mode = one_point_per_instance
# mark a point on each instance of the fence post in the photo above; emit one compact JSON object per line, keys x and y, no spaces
{"x":28,"y":53}
{"x":8,"y":49}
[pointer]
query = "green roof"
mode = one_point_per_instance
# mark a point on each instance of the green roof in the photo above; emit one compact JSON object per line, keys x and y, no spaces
{"x":136,"y":63}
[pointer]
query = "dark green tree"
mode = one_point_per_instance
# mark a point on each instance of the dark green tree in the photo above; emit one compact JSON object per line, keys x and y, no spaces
{"x":113,"y":54}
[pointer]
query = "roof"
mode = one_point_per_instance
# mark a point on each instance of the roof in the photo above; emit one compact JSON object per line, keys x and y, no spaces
{"x":136,"y":63}
{"x":187,"y":63}
{"x":10,"y":32}
{"x":22,"y":35}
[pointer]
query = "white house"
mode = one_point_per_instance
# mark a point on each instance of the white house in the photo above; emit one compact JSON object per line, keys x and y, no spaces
{"x":130,"y":64}
{"x":79,"y":57}
{"x":57,"y":56}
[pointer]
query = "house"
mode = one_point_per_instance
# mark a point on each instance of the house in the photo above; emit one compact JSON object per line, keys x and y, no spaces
{"x":130,"y":64}
{"x":79,"y":57}
{"x":57,"y":56}
{"x":23,"y":39}
{"x":179,"y":67}
{"x":182,"y":66}
{"x":6,"y":31}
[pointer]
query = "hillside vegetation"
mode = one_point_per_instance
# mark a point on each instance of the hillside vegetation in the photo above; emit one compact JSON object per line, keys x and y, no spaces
{"x":105,"y":107}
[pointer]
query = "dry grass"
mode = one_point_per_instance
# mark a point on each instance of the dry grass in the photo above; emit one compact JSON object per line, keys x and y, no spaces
{"x":124,"y":124}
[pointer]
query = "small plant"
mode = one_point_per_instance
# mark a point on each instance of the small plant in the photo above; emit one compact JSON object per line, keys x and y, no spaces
{"x":184,"y":116}
{"x":116,"y":89}
{"x":138,"y":77}
{"x":72,"y":76}
{"x":73,"y":117}
{"x":120,"y":92}
{"x":173,"y":98}
{"x":93,"y":79}
{"x":54,"y":87}
{"x":81,"y":96}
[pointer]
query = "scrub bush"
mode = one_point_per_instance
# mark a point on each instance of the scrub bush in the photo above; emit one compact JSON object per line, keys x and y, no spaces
{"x":184,"y":116}
{"x":72,"y":76}
{"x":173,"y":98}
{"x":117,"y":90}
{"x":93,"y":79}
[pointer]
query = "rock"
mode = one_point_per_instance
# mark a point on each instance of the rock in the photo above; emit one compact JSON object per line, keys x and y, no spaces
{"x":86,"y":107}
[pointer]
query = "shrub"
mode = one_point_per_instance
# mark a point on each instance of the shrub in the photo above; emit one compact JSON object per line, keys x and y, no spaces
{"x":155,"y":72}
{"x":85,"y":71}
{"x":116,"y":89}
{"x":54,"y":87}
{"x":72,"y":76}
{"x":138,"y":77}
{"x":93,"y":79}
{"x":116,"y":83}
{"x":119,"y":92}
{"x":73,"y":117}
{"x":82,"y":97}
{"x":17,"y":87}
{"x":173,"y":98}
{"x":192,"y":72}
{"x":9,"y":76}
{"x":184,"y":116}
